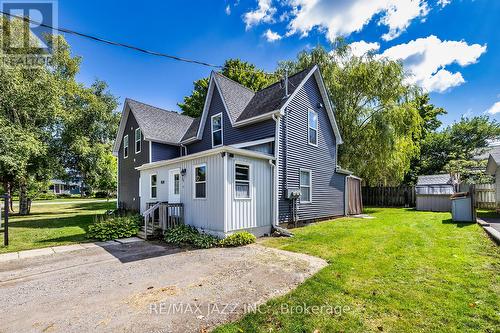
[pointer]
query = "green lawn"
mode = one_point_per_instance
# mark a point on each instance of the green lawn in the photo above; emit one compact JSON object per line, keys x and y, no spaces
{"x":52,"y":225}
{"x":404,"y":271}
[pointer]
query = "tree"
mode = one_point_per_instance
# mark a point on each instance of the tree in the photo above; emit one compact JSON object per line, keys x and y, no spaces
{"x":235,"y":69}
{"x":450,"y":148}
{"x":375,"y":109}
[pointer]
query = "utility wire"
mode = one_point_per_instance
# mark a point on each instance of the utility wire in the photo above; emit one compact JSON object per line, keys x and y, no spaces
{"x":128,"y":46}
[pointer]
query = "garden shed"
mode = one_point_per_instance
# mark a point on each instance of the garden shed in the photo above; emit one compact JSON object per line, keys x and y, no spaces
{"x":433,"y":192}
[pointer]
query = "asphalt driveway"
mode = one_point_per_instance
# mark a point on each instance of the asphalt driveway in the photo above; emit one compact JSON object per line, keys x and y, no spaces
{"x":144,"y":287}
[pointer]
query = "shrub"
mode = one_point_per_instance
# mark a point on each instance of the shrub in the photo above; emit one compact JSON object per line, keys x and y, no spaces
{"x":46,"y":196}
{"x":238,"y":239}
{"x":186,"y":235}
{"x":109,"y":227}
{"x":101,"y":194}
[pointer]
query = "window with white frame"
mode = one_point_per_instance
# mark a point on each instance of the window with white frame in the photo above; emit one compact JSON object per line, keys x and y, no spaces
{"x":125,"y":146}
{"x":154,"y":186}
{"x":242,"y":181}
{"x":312,"y":121}
{"x":200,"y":182}
{"x":176,"y":183}
{"x":305,"y":185}
{"x":138,"y":140}
{"x":217,"y":130}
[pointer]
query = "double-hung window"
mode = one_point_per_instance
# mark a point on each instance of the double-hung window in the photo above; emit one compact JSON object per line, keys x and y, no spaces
{"x":200,"y":181}
{"x":312,"y":123}
{"x":305,"y":186}
{"x":242,"y":181}
{"x":125,"y":146}
{"x":138,"y":140}
{"x":217,"y":130}
{"x":154,"y":187}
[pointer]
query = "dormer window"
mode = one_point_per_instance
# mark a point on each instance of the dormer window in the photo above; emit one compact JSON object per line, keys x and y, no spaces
{"x":312,"y":123}
{"x":125,"y":146}
{"x":138,"y":140}
{"x":217,"y":130}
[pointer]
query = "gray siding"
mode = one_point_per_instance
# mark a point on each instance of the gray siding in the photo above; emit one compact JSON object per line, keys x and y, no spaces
{"x":128,"y":177}
{"x":231,"y":135}
{"x":161,"y":152}
{"x":295,"y":153}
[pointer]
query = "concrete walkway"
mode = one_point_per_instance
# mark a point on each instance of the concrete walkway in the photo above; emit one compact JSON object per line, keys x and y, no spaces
{"x":491,"y":226}
{"x":62,"y":249}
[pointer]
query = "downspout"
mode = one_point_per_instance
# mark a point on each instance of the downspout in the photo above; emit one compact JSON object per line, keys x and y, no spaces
{"x":275,"y":221}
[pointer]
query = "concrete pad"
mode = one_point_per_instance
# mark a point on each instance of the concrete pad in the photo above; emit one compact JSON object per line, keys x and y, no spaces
{"x":67,"y":248}
{"x":35,"y":253}
{"x":495,"y":234}
{"x":89,"y":245}
{"x":108,"y":243}
{"x":129,"y":240}
{"x":9,"y":256}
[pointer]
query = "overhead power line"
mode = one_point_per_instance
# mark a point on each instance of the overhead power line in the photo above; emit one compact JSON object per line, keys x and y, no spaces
{"x":102,"y":40}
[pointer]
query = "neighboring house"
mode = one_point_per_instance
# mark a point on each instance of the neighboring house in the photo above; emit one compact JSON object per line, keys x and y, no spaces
{"x":434,"y":191}
{"x":253,"y":160}
{"x":58,"y":186}
{"x":492,"y":169}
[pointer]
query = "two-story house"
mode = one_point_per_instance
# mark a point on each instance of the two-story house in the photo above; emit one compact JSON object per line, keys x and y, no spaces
{"x":252,"y":161}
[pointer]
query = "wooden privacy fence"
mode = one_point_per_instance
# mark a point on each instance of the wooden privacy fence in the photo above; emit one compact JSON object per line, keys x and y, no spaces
{"x":401,"y":196}
{"x":485,"y":196}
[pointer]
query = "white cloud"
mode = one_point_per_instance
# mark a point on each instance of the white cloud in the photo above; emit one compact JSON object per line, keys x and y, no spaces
{"x":341,"y":18}
{"x":444,"y":3}
{"x":361,"y":48}
{"x":426,"y":59}
{"x":264,"y":13}
{"x":272,"y":36}
{"x":228,"y":10}
{"x":494,"y":109}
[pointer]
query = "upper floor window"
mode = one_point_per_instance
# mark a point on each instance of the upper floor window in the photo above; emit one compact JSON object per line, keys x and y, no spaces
{"x":125,"y":146}
{"x":217,"y":130}
{"x":242,"y":181}
{"x":200,"y":181}
{"x":138,"y":140}
{"x":154,"y":187}
{"x":305,"y":185}
{"x":312,"y":121}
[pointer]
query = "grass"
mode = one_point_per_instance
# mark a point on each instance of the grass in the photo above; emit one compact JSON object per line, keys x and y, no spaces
{"x":52,"y":225}
{"x":404,"y":271}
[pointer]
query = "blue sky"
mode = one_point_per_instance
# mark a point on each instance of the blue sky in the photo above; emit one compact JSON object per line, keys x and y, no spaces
{"x":451,"y":47}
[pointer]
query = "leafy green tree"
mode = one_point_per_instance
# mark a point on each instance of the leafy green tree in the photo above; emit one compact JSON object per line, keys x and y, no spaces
{"x":375,"y":109}
{"x":235,"y":69}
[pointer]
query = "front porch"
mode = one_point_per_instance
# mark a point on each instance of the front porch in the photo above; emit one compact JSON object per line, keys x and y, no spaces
{"x":160,"y":216}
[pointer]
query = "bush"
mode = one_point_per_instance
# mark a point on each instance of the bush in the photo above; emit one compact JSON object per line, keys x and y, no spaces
{"x":238,"y":239}
{"x":101,"y":194}
{"x":186,"y":235}
{"x":46,"y":196}
{"x":109,"y":227}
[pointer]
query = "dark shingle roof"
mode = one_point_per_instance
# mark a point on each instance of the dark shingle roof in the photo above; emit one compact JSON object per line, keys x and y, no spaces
{"x":235,"y":96}
{"x":443,"y":179}
{"x":192,"y":130}
{"x":484,"y":153}
{"x":272,"y":98}
{"x":158,"y":124}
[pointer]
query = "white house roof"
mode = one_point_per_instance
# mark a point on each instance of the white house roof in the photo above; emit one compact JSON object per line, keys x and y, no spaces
{"x":443,"y":179}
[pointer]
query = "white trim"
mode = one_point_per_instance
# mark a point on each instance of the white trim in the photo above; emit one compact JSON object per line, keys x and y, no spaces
{"x":252,"y":143}
{"x":310,"y":186}
{"x":205,"y":182}
{"x":276,"y":192}
{"x":256,"y":119}
{"x":225,"y":194}
{"x":249,"y":181}
{"x":171,"y":183}
{"x":311,"y":128}
{"x":206,"y":108}
{"x":214,"y":151}
{"x":128,"y":146}
{"x":150,"y":151}
{"x":342,"y":171}
{"x":221,"y":129}
{"x":135,"y":140}
{"x":151,"y":186}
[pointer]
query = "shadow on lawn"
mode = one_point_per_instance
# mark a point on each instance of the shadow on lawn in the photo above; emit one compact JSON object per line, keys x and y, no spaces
{"x":458,"y":224}
{"x":73,"y":221}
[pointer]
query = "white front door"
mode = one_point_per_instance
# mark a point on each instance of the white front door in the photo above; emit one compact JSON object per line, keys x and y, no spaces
{"x":174,"y":186}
